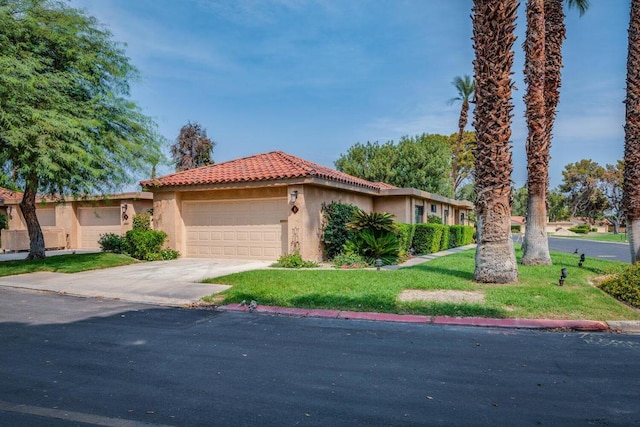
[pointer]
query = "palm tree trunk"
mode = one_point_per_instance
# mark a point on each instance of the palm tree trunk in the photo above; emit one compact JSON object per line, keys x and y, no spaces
{"x":462,"y":123}
{"x":493,"y":36}
{"x":536,"y":244}
{"x":632,"y":135}
{"x":28,"y":208}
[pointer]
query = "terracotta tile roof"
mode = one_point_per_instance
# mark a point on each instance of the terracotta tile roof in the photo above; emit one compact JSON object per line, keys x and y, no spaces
{"x":260,"y":167}
{"x":9,"y":194}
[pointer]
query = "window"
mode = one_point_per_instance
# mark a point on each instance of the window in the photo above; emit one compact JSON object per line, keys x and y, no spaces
{"x":462,"y":218}
{"x":419,"y":212}
{"x":446,"y":217}
{"x":434,"y":208}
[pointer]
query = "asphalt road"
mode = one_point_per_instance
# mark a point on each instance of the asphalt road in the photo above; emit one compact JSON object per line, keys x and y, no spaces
{"x":71,"y":361}
{"x":594,"y":249}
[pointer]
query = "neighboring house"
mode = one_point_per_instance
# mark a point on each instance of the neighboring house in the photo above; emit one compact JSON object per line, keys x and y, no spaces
{"x":266,"y":205}
{"x":73,"y":224}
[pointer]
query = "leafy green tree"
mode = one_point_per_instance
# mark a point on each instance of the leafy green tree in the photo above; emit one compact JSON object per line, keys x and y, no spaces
{"x":467,"y":192}
{"x":192,"y":148}
{"x":422,"y":162}
{"x":611,"y":186}
{"x":558,"y":209}
{"x":519,"y":206}
{"x":67,"y":125}
{"x":581,"y":185}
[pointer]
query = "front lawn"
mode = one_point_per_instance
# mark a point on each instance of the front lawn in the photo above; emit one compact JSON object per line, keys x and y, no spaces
{"x":537,"y":295}
{"x":71,"y":263}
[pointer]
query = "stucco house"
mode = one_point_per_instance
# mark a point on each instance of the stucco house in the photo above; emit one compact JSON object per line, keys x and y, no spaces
{"x":269,"y":204}
{"x":72,"y":224}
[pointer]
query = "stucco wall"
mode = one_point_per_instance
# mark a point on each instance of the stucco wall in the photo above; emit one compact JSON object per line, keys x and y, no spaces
{"x":400,"y":206}
{"x":306,"y":225}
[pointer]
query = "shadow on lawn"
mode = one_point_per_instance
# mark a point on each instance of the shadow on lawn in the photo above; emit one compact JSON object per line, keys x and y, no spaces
{"x":467,"y":275}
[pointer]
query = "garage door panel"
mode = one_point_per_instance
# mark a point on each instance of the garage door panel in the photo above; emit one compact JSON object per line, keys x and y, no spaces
{"x":242,"y":229}
{"x":94,"y":222}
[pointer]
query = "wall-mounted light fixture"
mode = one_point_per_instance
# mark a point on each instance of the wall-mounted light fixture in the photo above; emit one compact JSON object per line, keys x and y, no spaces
{"x":293,"y":197}
{"x":9,"y":210}
{"x":124,"y":212}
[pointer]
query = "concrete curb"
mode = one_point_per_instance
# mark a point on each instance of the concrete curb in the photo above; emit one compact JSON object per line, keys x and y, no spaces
{"x":577,"y":325}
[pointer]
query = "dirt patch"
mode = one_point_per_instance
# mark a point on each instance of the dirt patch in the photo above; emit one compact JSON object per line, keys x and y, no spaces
{"x":441,"y":296}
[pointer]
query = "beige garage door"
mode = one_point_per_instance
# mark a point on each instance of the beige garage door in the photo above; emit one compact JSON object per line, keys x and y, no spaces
{"x":97,"y":221}
{"x":46,"y":217}
{"x":250,"y":229}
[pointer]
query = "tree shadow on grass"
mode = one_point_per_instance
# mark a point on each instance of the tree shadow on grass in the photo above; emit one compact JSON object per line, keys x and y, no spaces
{"x":467,"y":275}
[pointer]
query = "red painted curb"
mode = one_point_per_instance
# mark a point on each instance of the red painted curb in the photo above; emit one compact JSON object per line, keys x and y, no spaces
{"x":580,"y":325}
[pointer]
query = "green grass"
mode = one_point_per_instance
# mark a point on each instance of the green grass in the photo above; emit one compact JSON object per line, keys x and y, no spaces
{"x":601,"y":237}
{"x":71,"y":263}
{"x":536,"y":295}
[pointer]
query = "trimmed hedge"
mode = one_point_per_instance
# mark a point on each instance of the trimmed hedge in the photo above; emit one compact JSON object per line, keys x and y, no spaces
{"x":405,"y":233}
{"x":460,"y":235}
{"x":624,"y":286}
{"x":427,"y":238}
{"x":446,"y":236}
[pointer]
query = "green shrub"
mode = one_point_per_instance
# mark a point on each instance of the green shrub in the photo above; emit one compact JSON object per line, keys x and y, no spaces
{"x":335,"y":234}
{"x":516,"y":228}
{"x":349,"y":261}
{"x":144,"y":244}
{"x":111,"y":242}
{"x":427,"y":238}
{"x":142,"y":221}
{"x":434,"y":219}
{"x":444,"y":241}
{"x":624,"y":286}
{"x":4,"y":221}
{"x":404,"y":233}
{"x":372,"y":247}
{"x":579,"y":230}
{"x":168,"y":254}
{"x":293,"y":260}
{"x":378,"y":222}
{"x":468,"y":235}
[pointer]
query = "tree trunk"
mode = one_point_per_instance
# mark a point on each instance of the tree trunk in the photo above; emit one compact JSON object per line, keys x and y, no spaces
{"x":28,"y":208}
{"x":536,"y":245}
{"x":493,"y":36}
{"x":632,"y":135}
{"x":462,"y":122}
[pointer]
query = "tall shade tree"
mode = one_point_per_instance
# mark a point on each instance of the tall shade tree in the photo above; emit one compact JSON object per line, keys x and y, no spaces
{"x":632,"y":135}
{"x":67,"y":126}
{"x":192,"y":148}
{"x":422,"y":162}
{"x":536,"y":244}
{"x":465,"y":86}
{"x":493,"y":37}
{"x":611,"y":186}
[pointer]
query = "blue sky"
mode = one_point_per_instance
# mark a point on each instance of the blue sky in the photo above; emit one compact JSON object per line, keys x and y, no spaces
{"x":313,"y":77}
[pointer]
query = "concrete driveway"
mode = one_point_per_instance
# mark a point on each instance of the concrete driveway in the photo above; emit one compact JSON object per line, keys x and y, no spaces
{"x":172,"y":283}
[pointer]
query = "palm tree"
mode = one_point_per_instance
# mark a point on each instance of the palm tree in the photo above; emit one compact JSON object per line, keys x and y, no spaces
{"x":493,"y":36}
{"x":632,"y":135}
{"x":546,"y":32}
{"x":536,"y":244}
{"x":465,"y":87}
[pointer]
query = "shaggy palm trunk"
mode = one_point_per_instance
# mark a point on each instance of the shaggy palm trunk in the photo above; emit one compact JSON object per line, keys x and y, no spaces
{"x":536,"y":244}
{"x":28,"y":208}
{"x":632,"y":135}
{"x":493,"y":36}
{"x":462,"y":123}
